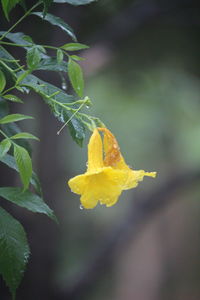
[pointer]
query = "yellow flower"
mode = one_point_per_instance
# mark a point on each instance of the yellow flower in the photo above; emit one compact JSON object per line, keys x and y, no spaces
{"x":107,"y":173}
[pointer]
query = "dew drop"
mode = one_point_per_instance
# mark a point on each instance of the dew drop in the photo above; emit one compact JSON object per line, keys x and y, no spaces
{"x":81,"y":207}
{"x":64,"y":86}
{"x":87,"y":106}
{"x":26,"y":91}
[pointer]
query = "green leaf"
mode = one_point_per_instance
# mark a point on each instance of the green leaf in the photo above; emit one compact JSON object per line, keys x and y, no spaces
{"x":74,"y":2}
{"x":59,"y":56}
{"x":27,"y":38}
{"x":58,"y":22}
{"x":14,"y":118}
{"x":8,"y":74}
{"x":7,"y":6}
{"x":11,"y":129}
{"x":24,"y":40}
{"x":8,"y":63}
{"x":76,"y":128}
{"x":14,"y":251}
{"x":33,"y":58}
{"x":27,"y":200}
{"x":12,"y":98}
{"x":51,"y":64}
{"x":2,"y":81}
{"x":76,"y":57}
{"x":24,"y":135}
{"x":74,"y":47}
{"x":28,"y":44}
{"x":10,"y":162}
{"x":24,"y":164}
{"x":45,"y":89}
{"x":19,"y":38}
{"x":21,"y":76}
{"x":76,"y":77}
{"x":35,"y":181}
{"x":4,"y":54}
{"x":4,"y":147}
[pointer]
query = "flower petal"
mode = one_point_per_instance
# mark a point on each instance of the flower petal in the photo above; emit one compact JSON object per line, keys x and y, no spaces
{"x":111,"y":148}
{"x":113,"y":156}
{"x":105,"y":187}
{"x":95,"y":152}
{"x":117,"y":177}
{"x":78,"y":184}
{"x":133,"y":178}
{"x":88,"y":201}
{"x":121,"y":164}
{"x":111,"y":201}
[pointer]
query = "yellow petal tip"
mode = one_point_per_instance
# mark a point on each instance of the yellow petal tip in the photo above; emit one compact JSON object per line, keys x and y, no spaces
{"x":151,"y":174}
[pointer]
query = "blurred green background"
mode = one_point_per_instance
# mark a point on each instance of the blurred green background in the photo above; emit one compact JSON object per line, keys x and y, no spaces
{"x":142,"y":74}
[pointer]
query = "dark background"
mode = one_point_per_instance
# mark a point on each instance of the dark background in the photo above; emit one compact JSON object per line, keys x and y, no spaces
{"x":142,"y":74}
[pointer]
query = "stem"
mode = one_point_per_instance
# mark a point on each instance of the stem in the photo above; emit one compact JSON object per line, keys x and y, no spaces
{"x":21,"y":19}
{"x":50,"y":47}
{"x":4,"y":134}
{"x":8,"y":68}
{"x":93,"y":120}
{"x":10,"y":60}
{"x":8,"y":90}
{"x":27,"y":45}
{"x":61,"y":104}
{"x":30,"y":45}
{"x":13,"y":44}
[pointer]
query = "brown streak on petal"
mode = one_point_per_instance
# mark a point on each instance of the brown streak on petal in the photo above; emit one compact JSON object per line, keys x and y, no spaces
{"x":111,"y":148}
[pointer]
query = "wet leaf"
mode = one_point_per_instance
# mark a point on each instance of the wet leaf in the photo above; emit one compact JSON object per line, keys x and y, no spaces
{"x":4,"y":147}
{"x":27,"y":200}
{"x":14,"y":118}
{"x":58,"y":22}
{"x":2,"y":81}
{"x":14,"y":250}
{"x":74,"y":47}
{"x":76,"y":77}
{"x":24,"y":164}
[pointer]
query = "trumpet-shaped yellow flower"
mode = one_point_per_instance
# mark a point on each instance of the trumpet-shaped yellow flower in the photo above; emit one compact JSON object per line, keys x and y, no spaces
{"x":107,"y":173}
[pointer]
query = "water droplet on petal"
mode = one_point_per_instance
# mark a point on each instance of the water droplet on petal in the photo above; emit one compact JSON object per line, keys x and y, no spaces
{"x":87,"y":106}
{"x":81,"y":207}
